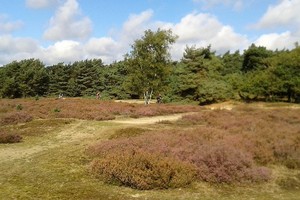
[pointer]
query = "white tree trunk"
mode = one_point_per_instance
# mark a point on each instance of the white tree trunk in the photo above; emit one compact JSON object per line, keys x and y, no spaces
{"x":148,"y":96}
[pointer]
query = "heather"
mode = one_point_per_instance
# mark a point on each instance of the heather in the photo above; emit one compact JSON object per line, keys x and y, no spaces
{"x":9,"y":137}
{"x":270,"y":136}
{"x":142,"y":170}
{"x":236,"y":146}
{"x":23,"y":110}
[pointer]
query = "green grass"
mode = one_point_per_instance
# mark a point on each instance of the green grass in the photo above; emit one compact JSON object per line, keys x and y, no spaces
{"x":58,"y":169}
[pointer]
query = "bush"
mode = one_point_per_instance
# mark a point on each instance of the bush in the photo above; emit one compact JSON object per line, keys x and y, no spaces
{"x":15,"y":118}
{"x":9,"y":138}
{"x":144,"y":171}
{"x":19,"y":107}
{"x":224,"y":164}
{"x":215,"y":161}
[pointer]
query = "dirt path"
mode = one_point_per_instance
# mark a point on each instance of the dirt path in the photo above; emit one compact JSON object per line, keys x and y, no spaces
{"x":78,"y":131}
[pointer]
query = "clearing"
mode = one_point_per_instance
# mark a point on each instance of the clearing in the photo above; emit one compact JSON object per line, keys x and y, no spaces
{"x":55,"y":166}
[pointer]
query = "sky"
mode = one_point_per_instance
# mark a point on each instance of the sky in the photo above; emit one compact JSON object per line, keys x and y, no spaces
{"x":56,"y":31}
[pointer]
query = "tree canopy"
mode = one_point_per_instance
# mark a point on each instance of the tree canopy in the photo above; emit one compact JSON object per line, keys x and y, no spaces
{"x":200,"y":75}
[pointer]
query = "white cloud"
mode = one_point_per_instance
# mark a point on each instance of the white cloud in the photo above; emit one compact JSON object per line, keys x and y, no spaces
{"x":137,"y":21}
{"x":102,"y":46}
{"x":204,"y":29}
{"x":68,"y":23}
{"x":16,"y":48}
{"x":285,"y":16}
{"x":194,"y":29}
{"x":285,"y":40}
{"x":286,"y":13}
{"x":7,"y":26}
{"x":38,"y":4}
{"x":10,"y":45}
{"x":62,"y":51}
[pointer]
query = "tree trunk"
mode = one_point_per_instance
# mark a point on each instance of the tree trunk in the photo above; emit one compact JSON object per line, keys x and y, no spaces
{"x":148,"y":96}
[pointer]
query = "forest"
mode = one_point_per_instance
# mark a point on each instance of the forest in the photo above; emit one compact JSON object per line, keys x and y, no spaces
{"x":201,"y":75}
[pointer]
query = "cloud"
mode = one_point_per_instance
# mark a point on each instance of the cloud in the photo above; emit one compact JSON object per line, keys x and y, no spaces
{"x":102,"y":46}
{"x":68,"y":23}
{"x":39,"y":4}
{"x":203,"y":29}
{"x":16,"y":48}
{"x":137,"y":21}
{"x":8,"y":26}
{"x":285,"y":40}
{"x":10,"y":45}
{"x":198,"y":29}
{"x":284,"y":14}
{"x":62,"y":51}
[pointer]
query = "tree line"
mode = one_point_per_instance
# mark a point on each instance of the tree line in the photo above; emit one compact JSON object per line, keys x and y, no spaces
{"x":148,"y":70}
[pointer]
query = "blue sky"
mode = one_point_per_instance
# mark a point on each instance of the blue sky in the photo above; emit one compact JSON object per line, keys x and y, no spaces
{"x":69,"y":30}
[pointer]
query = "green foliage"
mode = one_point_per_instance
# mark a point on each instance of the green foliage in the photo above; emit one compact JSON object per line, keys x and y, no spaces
{"x":286,"y":67}
{"x":113,"y":78}
{"x":201,"y":75}
{"x":19,"y":107}
{"x":56,"y":110}
{"x":144,"y":171}
{"x":254,"y":58}
{"x":213,"y":91}
{"x":148,"y":63}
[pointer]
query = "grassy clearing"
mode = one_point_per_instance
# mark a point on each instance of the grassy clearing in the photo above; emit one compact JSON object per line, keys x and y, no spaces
{"x":52,"y":161}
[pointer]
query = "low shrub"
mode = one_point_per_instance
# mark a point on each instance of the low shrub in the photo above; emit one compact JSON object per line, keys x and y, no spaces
{"x":9,"y":138}
{"x":215,"y":161}
{"x":144,"y":171}
{"x":127,"y":132}
{"x":90,"y":109}
{"x":270,"y":136}
{"x":15,"y":118}
{"x":19,"y":107}
{"x":225,"y":164}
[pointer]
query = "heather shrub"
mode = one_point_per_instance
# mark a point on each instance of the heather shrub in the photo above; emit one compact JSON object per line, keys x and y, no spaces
{"x":127,"y":132}
{"x":15,"y":118}
{"x":224,"y":164}
{"x":270,"y":136}
{"x":90,"y":109}
{"x":9,"y":138}
{"x":142,"y":170}
{"x":215,"y":161}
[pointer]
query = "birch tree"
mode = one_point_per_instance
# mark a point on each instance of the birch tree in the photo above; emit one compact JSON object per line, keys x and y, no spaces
{"x":149,"y":63}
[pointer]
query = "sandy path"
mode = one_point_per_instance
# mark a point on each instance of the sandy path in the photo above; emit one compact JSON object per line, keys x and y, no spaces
{"x":149,"y":120}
